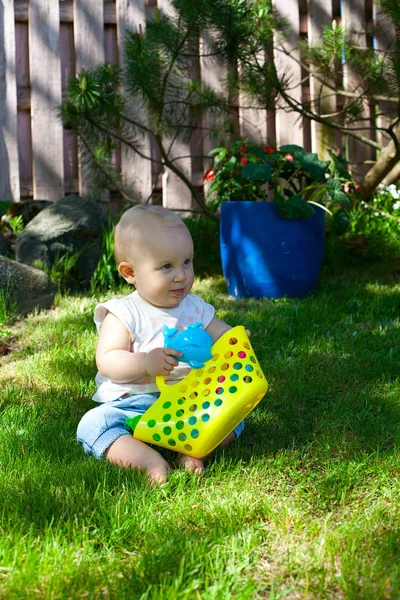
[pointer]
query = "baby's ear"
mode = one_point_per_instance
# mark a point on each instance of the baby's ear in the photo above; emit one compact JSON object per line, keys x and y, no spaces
{"x":126,"y":271}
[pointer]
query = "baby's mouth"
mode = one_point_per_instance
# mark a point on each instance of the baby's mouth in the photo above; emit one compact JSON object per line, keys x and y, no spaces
{"x":179,"y":292}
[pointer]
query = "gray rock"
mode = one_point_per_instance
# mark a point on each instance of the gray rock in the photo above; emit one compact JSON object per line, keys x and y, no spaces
{"x":29,"y":289}
{"x":4,"y":245}
{"x":72,"y":226}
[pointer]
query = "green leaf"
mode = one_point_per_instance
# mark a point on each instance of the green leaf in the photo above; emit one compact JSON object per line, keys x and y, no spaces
{"x":340,"y":221}
{"x":311,"y":163}
{"x":295,"y":208}
{"x":291,"y":148}
{"x":215,"y":151}
{"x":336,"y":193}
{"x":257,"y":172}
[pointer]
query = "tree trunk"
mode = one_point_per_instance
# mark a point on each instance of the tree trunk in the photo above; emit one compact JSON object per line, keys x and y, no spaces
{"x":385,"y":163}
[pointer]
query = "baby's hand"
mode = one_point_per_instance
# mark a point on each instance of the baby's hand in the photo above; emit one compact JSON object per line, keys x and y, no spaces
{"x":161,"y":361}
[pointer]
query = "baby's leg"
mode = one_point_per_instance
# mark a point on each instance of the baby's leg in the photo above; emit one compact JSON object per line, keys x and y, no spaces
{"x":126,"y":451}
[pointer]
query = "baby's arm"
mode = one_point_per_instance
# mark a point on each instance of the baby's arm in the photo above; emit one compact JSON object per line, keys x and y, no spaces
{"x":116,"y":360}
{"x":217,"y":328}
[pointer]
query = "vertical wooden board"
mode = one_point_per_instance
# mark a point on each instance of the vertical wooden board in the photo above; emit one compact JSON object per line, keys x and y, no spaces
{"x":136,"y":170}
{"x":67,"y":57}
{"x":323,"y":98}
{"x":88,"y":33}
{"x":252,"y":119}
{"x":353,"y":22}
{"x":47,"y":136}
{"x":89,"y":52}
{"x":9,"y":172}
{"x":176,"y":195}
{"x":385,"y":37}
{"x":25,"y":152}
{"x":288,"y":122}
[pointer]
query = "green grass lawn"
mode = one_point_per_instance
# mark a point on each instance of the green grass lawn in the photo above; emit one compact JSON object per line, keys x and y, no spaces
{"x":303,"y":505}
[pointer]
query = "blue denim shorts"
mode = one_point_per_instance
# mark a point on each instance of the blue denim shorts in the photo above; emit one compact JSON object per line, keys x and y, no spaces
{"x":105,"y":423}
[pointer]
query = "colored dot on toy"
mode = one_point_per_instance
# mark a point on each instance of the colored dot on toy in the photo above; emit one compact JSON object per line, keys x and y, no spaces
{"x":180,"y":425}
{"x":166,"y":404}
{"x":182,"y":437}
{"x":205,"y":405}
{"x":188,"y":447}
{"x":233,"y":341}
{"x":218,"y":402}
{"x":237,"y":366}
{"x":221,"y":378}
{"x":195,"y":433}
{"x":205,"y":417}
{"x":172,"y":442}
{"x":180,"y":412}
{"x":156,"y":437}
{"x":193,"y":408}
{"x":166,"y":418}
{"x":233,"y":389}
{"x":192,"y":421}
{"x":219,"y":390}
{"x":167,"y":430}
{"x":151,"y":423}
{"x":228,"y":354}
{"x":242,"y":354}
{"x":249,"y":368}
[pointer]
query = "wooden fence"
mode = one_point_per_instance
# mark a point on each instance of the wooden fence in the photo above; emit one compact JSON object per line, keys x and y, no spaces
{"x":45,"y":42}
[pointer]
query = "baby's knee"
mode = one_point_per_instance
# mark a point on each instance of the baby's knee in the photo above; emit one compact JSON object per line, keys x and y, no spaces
{"x":98,"y":429}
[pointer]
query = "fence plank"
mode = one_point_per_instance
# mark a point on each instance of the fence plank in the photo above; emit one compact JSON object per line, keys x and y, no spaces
{"x":322,"y":137}
{"x":47,"y":138}
{"x":289,"y":124}
{"x":353,"y":21}
{"x":9,"y":172}
{"x":136,"y":171}
{"x":176,"y":195}
{"x":89,"y":52}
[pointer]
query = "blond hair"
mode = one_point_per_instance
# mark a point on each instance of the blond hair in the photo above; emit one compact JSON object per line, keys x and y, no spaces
{"x":133,"y":221}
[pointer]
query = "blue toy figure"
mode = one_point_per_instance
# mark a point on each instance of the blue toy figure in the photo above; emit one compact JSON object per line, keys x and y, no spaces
{"x":194,"y":343}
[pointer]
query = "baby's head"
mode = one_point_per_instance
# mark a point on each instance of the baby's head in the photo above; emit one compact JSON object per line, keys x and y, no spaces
{"x":154,"y":252}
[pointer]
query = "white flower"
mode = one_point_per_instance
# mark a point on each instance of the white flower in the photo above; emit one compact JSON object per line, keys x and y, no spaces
{"x":396,"y":205}
{"x":376,"y":214}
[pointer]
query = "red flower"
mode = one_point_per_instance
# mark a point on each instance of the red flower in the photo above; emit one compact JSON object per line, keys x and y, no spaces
{"x":244,"y":161}
{"x":289,"y":157}
{"x":269,"y":149}
{"x":357,"y":188}
{"x":208,"y":175}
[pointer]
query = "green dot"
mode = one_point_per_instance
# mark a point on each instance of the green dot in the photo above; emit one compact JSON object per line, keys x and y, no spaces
{"x":172,"y":442}
{"x":166,"y":404}
{"x":167,"y":430}
{"x":179,"y":412}
{"x":156,"y":437}
{"x":152,"y":423}
{"x":233,"y":389}
{"x":166,"y":418}
{"x":218,"y":402}
{"x":180,"y":425}
{"x":182,"y":437}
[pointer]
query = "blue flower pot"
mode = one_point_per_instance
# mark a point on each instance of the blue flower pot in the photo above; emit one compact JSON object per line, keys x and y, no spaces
{"x":266,"y":255}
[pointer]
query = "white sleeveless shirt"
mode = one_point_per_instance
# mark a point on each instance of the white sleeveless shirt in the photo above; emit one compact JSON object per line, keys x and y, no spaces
{"x":145,"y":323}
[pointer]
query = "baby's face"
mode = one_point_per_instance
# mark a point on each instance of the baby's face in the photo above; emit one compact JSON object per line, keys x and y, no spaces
{"x":163,"y":269}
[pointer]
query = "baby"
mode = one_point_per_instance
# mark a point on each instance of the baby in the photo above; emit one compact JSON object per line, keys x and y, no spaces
{"x":154,"y":252}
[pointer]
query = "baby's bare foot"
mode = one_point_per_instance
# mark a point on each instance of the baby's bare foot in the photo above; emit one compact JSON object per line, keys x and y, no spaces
{"x":157,"y":472}
{"x":191,"y":464}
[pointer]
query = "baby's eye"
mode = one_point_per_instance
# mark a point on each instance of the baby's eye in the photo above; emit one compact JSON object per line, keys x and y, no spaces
{"x":187,"y":261}
{"x":166,"y":266}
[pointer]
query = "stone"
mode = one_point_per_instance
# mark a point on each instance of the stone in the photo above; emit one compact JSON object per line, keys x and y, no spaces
{"x":71,"y":227}
{"x":4,"y":245}
{"x":27,"y":288}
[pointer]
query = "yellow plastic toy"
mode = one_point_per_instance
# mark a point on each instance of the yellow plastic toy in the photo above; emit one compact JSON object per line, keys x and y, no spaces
{"x":196,"y":414}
